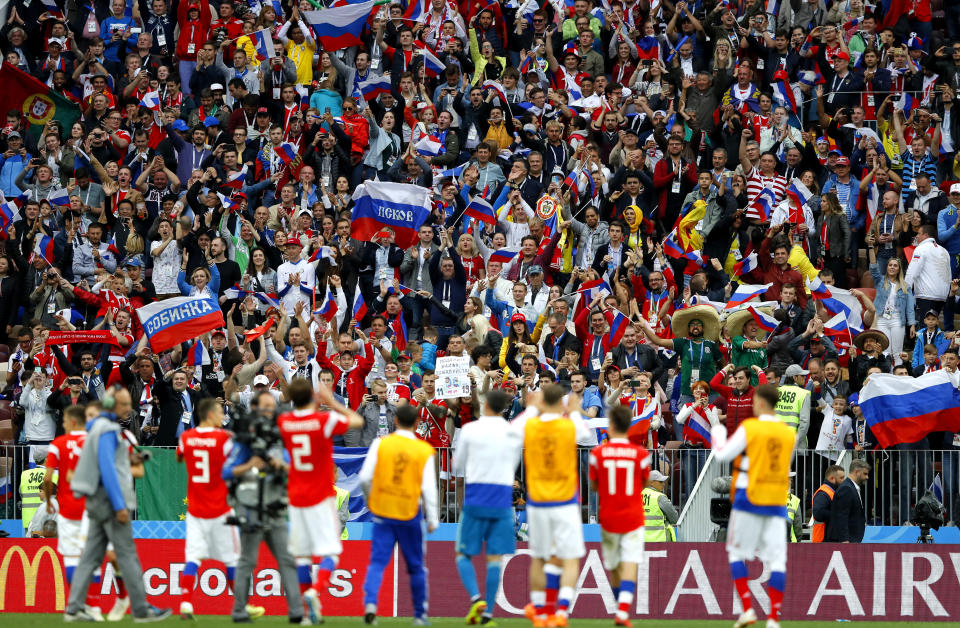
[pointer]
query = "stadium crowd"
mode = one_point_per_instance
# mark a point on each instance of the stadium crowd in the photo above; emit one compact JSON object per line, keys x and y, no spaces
{"x":652,"y":168}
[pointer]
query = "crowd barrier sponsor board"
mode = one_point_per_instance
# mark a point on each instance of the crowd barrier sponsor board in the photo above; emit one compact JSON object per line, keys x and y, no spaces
{"x":678,"y":581}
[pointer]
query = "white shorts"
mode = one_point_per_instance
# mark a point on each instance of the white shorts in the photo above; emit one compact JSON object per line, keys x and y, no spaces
{"x":213,"y":539}
{"x":555,"y":531}
{"x":621,"y":548}
{"x":763,"y":537}
{"x":315,"y":530}
{"x":71,"y":537}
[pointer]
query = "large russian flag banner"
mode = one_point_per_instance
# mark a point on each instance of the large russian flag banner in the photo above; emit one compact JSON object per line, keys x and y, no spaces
{"x":340,"y":27}
{"x":905,"y":409}
{"x":400,"y":206}
{"x":169,"y":322}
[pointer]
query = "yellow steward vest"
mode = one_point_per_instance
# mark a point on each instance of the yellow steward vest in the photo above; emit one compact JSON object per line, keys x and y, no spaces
{"x":769,"y":449}
{"x":789,"y":403}
{"x":655,"y":527}
{"x":31,"y":481}
{"x":550,"y":461}
{"x":395,"y":490}
{"x":793,"y":505}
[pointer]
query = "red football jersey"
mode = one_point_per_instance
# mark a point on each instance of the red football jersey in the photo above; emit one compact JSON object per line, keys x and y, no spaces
{"x":620,"y":470}
{"x":205,"y":450}
{"x":62,"y":456}
{"x":308,"y":438}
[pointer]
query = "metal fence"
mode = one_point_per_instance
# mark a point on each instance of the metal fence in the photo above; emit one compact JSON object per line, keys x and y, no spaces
{"x":898,"y":478}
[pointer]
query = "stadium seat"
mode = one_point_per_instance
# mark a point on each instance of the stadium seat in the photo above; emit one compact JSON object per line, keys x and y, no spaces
{"x":6,"y":430}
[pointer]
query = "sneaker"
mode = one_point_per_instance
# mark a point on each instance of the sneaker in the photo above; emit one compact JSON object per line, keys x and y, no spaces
{"x":773,"y":623}
{"x":312,"y":599}
{"x":557,"y":621}
{"x":120,"y":608}
{"x":540,"y":621}
{"x":294,"y":620}
{"x":80,"y":615}
{"x":153,"y":614}
{"x":93,"y":611}
{"x":746,"y":618}
{"x":186,"y":610}
{"x":242,"y":620}
{"x":476,"y":610}
{"x":422,"y":620}
{"x":370,"y":614}
{"x":530,"y":611}
{"x":488,"y":621}
{"x":305,"y":621}
{"x":255,"y":612}
{"x":624,"y":623}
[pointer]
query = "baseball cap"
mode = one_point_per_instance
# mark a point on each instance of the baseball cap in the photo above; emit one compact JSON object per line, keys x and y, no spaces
{"x":134,"y":260}
{"x":794,"y":369}
{"x":518,"y":316}
{"x":55,"y":40}
{"x":179,"y":125}
{"x":656,"y":476}
{"x":932,"y":313}
{"x":218,"y":332}
{"x":13,"y":134}
{"x":954,"y":189}
{"x":261,"y":380}
{"x":294,"y":242}
{"x":404,"y":356}
{"x":842,"y":55}
{"x":854,"y":399}
{"x":216,"y":86}
{"x":263,"y":111}
{"x":535,"y":269}
{"x":210,"y":121}
{"x":843,"y":161}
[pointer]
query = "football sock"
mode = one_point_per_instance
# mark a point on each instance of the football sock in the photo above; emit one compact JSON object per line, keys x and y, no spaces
{"x":231,"y":573}
{"x":303,"y":575}
{"x":93,"y":592}
{"x":563,"y":600}
{"x":738,"y":570}
{"x":121,"y":588}
{"x":552,"y":573}
{"x":776,"y":587}
{"x":468,"y":576}
{"x":493,"y":585}
{"x":625,"y":598}
{"x":70,"y":569}
{"x":187,"y":579}
{"x":538,"y":599}
{"x":327,"y":565}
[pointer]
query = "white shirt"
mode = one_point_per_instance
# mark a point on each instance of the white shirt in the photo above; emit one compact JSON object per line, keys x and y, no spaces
{"x":927,"y":270}
{"x":833,"y":432}
{"x":294,"y":294}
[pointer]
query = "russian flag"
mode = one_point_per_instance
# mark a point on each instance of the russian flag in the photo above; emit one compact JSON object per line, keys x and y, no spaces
{"x":21,"y":200}
{"x":359,"y":307}
{"x":596,"y":287}
{"x":452,"y":172}
{"x":44,"y":247}
{"x":783,"y":93}
{"x":229,"y":204}
{"x":414,"y":11}
{"x":905,"y":409}
{"x":497,"y":89}
{"x":198,"y":355}
{"x":746,"y":265}
{"x":151,"y":100}
{"x":696,"y":429}
{"x":403,"y":289}
{"x":671,"y":248}
{"x":839,"y":328}
{"x":9,"y":214}
{"x":642,"y":416}
{"x":323,"y":252}
{"x":286,"y":152}
{"x":818,"y":289}
{"x":648,"y":47}
{"x":745,"y":292}
{"x":766,"y":322}
{"x":263,"y":44}
{"x":169,"y":321}
{"x":591,"y":184}
{"x":400,"y":206}
{"x":526,"y":65}
{"x":374,"y":87}
{"x":237,"y":179}
{"x":572,"y":182}
{"x":762,"y":206}
{"x":798,"y":192}
{"x":433,"y":66}
{"x":399,"y":328}
{"x":907,"y":102}
{"x":340,"y":27}
{"x":429,"y":145}
{"x":329,"y":308}
{"x":52,"y":8}
{"x":59,"y":197}
{"x":503,"y":255}
{"x":618,"y":326}
{"x":481,"y":210}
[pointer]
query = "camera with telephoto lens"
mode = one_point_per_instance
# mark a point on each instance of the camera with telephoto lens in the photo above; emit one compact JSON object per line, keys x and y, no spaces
{"x":258,"y":497}
{"x":928,"y":515}
{"x":221,"y":36}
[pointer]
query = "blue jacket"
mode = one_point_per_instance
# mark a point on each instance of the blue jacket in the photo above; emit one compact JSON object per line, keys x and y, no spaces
{"x":947,"y":232}
{"x":858,"y":219}
{"x":939,"y":340}
{"x":9,"y":169}
{"x":905,"y":300}
{"x":428,"y":360}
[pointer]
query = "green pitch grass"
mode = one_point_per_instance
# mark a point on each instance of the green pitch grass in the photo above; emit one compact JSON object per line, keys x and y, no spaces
{"x":36,"y":620}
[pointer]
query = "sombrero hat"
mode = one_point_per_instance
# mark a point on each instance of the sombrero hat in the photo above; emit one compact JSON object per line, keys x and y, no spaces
{"x":738,"y":319}
{"x":705,"y":313}
{"x":876,"y":334}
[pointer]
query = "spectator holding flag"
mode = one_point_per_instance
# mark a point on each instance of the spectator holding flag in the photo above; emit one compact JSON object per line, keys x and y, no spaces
{"x":896,"y":309}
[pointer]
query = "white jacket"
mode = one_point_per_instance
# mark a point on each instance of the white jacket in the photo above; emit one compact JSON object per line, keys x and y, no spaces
{"x":929,"y":271}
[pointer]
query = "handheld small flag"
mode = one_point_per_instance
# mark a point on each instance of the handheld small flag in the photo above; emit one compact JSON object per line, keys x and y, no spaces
{"x":746,"y":265}
{"x":44,"y":247}
{"x":329,"y":308}
{"x":745,"y":292}
{"x":481,"y":210}
{"x":237,"y":179}
{"x":263,"y":44}
{"x":762,"y":206}
{"x":59,"y":198}
{"x":287,"y":153}
{"x":359,"y":307}
{"x":374,"y":87}
{"x":429,"y":145}
{"x":198,"y":355}
{"x":503,"y":255}
{"x":764,"y":321}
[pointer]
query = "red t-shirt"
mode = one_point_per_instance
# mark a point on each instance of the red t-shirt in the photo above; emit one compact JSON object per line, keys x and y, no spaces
{"x":620,"y":470}
{"x":308,"y":438}
{"x":205,"y":450}
{"x":63,"y":455}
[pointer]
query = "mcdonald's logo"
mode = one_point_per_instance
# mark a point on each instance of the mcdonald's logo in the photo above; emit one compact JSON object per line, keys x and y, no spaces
{"x":30,"y":570}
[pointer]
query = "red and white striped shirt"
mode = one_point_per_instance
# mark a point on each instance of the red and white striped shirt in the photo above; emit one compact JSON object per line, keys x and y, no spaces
{"x":756,"y":182}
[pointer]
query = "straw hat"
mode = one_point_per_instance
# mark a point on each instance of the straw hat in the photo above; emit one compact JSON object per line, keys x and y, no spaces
{"x":738,"y":319}
{"x":704,"y":313}
{"x":876,"y":334}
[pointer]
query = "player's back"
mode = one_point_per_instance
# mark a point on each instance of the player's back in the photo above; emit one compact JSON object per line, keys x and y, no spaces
{"x":308,"y":438}
{"x":204,"y":451}
{"x":62,"y":456}
{"x":620,"y":469}
{"x":768,"y":453}
{"x":488,"y":454}
{"x":550,"y":459}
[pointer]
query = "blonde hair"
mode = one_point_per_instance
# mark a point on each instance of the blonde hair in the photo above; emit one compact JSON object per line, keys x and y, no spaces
{"x":473,"y":252}
{"x":480,"y":325}
{"x":900,"y":283}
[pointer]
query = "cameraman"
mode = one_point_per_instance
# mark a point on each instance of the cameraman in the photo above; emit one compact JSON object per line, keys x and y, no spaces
{"x":104,"y":476}
{"x":243,"y":466}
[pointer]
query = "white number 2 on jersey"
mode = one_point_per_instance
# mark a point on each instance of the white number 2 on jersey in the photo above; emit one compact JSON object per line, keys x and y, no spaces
{"x":202,"y":465}
{"x":301,"y":450}
{"x":611,"y":466}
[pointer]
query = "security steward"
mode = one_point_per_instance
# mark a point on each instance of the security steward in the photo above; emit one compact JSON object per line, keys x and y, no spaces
{"x":793,"y":404}
{"x":31,"y":481}
{"x":822,"y":499}
{"x":659,"y":515}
